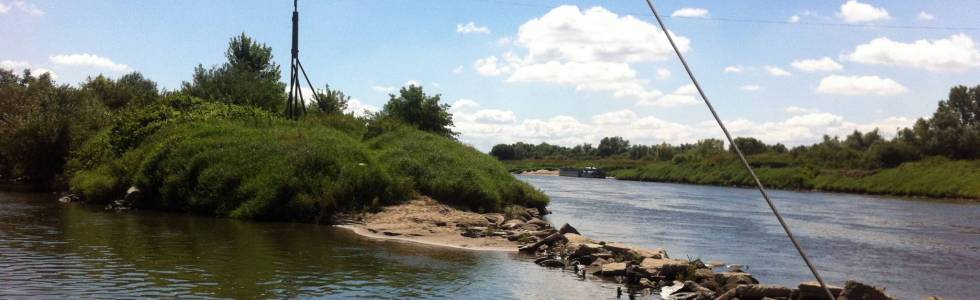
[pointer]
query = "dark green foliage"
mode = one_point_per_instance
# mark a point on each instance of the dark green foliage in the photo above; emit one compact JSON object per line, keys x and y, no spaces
{"x":749,"y":146}
{"x":612,"y":145}
{"x":503,"y":152}
{"x":249,"y":77}
{"x":130,"y":89}
{"x":41,"y":123}
{"x":329,"y":101}
{"x":412,"y":106}
{"x":451,"y":172}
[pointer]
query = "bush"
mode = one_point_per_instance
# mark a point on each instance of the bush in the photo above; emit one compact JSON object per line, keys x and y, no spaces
{"x":225,"y":168}
{"x":451,"y":172}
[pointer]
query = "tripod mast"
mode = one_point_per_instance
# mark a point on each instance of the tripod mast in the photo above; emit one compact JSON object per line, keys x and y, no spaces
{"x":296,"y":104}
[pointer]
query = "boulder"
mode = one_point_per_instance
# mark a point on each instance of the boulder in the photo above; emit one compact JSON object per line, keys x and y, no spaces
{"x":667,"y":268}
{"x":757,"y":291}
{"x":811,"y":290}
{"x":730,"y":280}
{"x":512,"y":223}
{"x":567,"y":229}
{"x":495,"y":218}
{"x":583,"y":249}
{"x":534,"y":247}
{"x":538,"y":222}
{"x":612,"y":269}
{"x":531,"y":227}
{"x":551,"y":263}
{"x":854,"y":290}
{"x":133,"y":195}
{"x":636,"y":252}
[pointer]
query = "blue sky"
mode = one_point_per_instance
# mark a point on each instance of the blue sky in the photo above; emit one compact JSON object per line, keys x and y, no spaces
{"x":563,"y":72}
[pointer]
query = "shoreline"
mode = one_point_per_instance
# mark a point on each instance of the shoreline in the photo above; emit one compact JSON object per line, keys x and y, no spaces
{"x":364,"y":232}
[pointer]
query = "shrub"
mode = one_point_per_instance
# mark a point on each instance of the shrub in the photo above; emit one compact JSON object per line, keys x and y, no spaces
{"x":451,"y":172}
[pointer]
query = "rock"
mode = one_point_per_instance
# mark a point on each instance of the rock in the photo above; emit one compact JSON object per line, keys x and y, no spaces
{"x":511,"y":224}
{"x":495,"y":218}
{"x":811,"y":290}
{"x":730,"y":280}
{"x":636,"y":252}
{"x":530,"y":227}
{"x":474,"y":232}
{"x":584,"y":249}
{"x":498,"y":233}
{"x":441,"y":223}
{"x":704,"y":274}
{"x":389,"y":233}
{"x":133,"y":195}
{"x":612,"y":269}
{"x":538,"y":222}
{"x":68,"y":198}
{"x":854,"y":290}
{"x":736,"y":268}
{"x":668,"y":268}
{"x":534,"y":247}
{"x":567,"y":229}
{"x":756,"y":291}
{"x":551,"y":263}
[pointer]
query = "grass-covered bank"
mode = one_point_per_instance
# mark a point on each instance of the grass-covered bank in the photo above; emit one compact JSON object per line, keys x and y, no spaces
{"x":190,"y":155}
{"x":935,"y":177}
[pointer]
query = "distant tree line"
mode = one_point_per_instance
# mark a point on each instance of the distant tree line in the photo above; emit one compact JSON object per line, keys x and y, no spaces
{"x":43,"y":122}
{"x":953,"y":131}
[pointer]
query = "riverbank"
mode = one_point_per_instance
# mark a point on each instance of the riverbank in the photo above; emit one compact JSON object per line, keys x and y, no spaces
{"x":642,"y":271}
{"x":931,"y":178}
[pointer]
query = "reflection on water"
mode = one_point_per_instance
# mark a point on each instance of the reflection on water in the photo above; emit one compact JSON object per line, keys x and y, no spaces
{"x":50,"y":249}
{"x":912,"y":247}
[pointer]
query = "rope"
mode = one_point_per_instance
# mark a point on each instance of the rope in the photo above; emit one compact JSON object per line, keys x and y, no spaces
{"x":745,"y":162}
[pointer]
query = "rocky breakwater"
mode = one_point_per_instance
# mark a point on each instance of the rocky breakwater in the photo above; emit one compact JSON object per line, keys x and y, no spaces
{"x":645,"y":271}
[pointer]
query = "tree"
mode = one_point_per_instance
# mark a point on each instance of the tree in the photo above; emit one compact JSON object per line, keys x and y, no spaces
{"x":612,"y":145}
{"x":414,"y":107}
{"x":130,"y":89}
{"x":330,"y":101}
{"x":504,"y":152}
{"x":749,"y":146}
{"x":249,"y":77}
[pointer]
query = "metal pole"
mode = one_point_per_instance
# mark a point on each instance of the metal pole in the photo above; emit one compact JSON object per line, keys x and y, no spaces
{"x":745,"y":162}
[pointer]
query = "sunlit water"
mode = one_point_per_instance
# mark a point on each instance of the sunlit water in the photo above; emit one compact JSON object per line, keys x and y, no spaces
{"x":53,"y":250}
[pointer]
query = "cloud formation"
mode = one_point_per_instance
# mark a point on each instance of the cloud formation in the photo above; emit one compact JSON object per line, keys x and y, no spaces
{"x":854,"y":12}
{"x":957,"y":53}
{"x":89,"y":60}
{"x":592,"y":50}
{"x":825,"y":64}
{"x":471,"y":28}
{"x":777,"y":71}
{"x":860,"y":85}
{"x":689,"y":12}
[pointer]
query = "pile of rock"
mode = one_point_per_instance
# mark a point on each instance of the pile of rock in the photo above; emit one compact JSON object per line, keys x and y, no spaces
{"x":644,"y":270}
{"x":525,"y":227}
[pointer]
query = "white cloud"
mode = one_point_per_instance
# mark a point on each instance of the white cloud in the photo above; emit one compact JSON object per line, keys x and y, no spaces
{"x":488,"y":66}
{"x":464,"y":105}
{"x":412,"y":82}
{"x":957,"y":53}
{"x":684,"y":95}
{"x":471,"y":28}
{"x":39,"y":71}
{"x":924,"y":16}
{"x":804,"y":127}
{"x":663,"y":74}
{"x":825,"y":64}
{"x":853,"y":11}
{"x":734,"y":69}
{"x":15,"y":65}
{"x":860,"y":85}
{"x":384,"y":89}
{"x":590,"y":50}
{"x":494,"y":116}
{"x":359,"y":108}
{"x":793,"y":19}
{"x":24,"y":6}
{"x":458,"y":69}
{"x":89,"y":60}
{"x":505,"y":41}
{"x":777,"y":71}
{"x":800,"y":110}
{"x":689,"y":12}
{"x":751,"y":87}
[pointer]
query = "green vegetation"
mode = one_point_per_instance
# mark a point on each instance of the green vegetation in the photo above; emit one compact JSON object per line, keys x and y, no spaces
{"x":938,"y":157}
{"x":220,"y":146}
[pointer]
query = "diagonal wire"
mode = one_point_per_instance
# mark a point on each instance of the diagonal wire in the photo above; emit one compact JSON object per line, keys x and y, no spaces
{"x":762,"y":189}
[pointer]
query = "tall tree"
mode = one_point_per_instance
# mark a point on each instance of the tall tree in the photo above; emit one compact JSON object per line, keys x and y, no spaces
{"x":130,"y":89}
{"x":414,"y":107}
{"x":612,"y":146}
{"x":330,"y":101}
{"x":249,"y":77}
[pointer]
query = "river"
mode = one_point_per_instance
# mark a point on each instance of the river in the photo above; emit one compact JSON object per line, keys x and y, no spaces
{"x":54,"y":250}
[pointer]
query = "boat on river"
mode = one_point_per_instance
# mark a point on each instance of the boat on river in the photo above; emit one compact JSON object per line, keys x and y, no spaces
{"x":587,"y":172}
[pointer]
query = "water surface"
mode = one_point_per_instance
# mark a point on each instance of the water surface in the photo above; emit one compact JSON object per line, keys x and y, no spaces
{"x":54,"y":250}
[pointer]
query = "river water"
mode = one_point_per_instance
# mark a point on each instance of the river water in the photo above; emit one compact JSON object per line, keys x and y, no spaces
{"x":913,"y":247}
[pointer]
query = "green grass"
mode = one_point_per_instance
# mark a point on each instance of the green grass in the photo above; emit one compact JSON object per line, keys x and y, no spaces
{"x":451,"y":172}
{"x":936,"y":177}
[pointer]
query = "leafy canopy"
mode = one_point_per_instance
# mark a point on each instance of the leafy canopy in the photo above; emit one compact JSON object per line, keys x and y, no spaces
{"x":250,"y":77}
